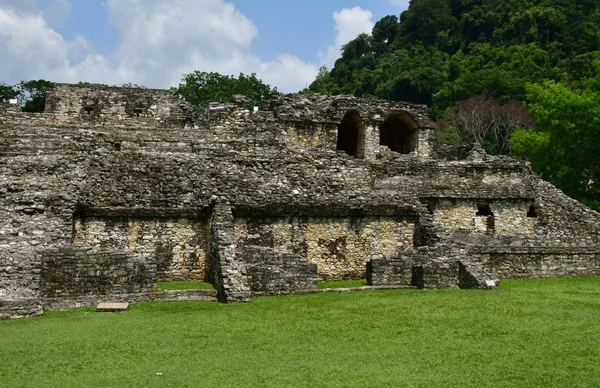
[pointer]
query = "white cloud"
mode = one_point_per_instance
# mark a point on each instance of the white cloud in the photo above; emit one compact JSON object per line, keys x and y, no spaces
{"x":288,"y":72}
{"x":349,"y":23}
{"x":33,"y":48}
{"x":158,"y":37}
{"x":37,"y":51}
{"x":159,"y":42}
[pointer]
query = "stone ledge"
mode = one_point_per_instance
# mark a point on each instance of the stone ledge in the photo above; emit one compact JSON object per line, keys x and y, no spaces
{"x":185,"y":295}
{"x":334,"y":290}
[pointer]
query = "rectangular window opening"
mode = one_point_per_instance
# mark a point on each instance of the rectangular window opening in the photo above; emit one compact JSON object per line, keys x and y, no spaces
{"x":484,"y":211}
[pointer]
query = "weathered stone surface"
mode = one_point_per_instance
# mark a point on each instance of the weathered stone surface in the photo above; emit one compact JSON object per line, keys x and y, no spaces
{"x":114,"y":189}
{"x":274,"y":271}
{"x":112,"y":307}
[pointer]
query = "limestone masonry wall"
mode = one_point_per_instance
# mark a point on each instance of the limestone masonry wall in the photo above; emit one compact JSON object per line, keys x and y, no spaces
{"x":178,"y":246}
{"x":341,"y":247}
{"x":111,"y":190}
{"x":73,"y":272}
{"x":111,"y":104}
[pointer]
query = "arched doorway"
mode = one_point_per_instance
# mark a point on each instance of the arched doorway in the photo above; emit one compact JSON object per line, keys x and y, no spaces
{"x":351,"y":135}
{"x":399,"y":133}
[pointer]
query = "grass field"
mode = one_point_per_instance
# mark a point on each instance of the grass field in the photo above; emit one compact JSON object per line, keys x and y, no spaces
{"x":342,"y":284}
{"x":542,"y":333}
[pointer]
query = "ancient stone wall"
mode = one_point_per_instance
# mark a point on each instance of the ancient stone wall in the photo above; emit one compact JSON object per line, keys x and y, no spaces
{"x":487,"y":216}
{"x":73,"y":272}
{"x":112,"y":104}
{"x":275,"y":271}
{"x":332,"y":182}
{"x":19,"y":283}
{"x":445,"y":267}
{"x":178,"y":246}
{"x":341,"y":247}
{"x":541,"y":262}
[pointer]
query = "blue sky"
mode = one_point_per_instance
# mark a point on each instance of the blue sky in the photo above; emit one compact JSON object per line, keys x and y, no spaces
{"x":155,"y":42}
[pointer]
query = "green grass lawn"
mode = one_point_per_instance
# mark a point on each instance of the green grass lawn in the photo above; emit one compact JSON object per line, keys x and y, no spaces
{"x":172,"y":286}
{"x":542,"y":333}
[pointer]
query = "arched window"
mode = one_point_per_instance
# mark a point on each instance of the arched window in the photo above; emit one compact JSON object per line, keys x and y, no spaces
{"x":351,"y":135}
{"x":399,"y":133}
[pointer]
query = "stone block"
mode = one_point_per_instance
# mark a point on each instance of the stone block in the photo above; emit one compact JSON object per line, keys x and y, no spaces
{"x":112,"y":307}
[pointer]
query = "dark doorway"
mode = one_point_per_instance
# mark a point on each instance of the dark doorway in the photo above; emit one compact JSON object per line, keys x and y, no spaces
{"x":351,"y":135}
{"x":532,"y":212}
{"x":399,"y":133}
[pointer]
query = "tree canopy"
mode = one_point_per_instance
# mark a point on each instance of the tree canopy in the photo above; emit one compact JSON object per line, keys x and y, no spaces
{"x":33,"y":94}
{"x":200,"y":88}
{"x":440,"y":52}
{"x":565,"y":147}
{"x":8,"y":92}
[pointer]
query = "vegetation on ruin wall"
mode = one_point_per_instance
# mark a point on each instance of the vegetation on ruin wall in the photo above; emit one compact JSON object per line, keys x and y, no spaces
{"x":30,"y":94}
{"x":476,"y":63}
{"x":528,"y":333}
{"x":199,"y":88}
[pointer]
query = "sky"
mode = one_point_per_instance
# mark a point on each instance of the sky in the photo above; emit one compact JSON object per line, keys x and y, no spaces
{"x":155,"y":42}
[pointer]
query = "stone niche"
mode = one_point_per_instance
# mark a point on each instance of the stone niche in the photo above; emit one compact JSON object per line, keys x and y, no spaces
{"x":178,"y":246}
{"x":485,"y":216}
{"x":339,"y":246}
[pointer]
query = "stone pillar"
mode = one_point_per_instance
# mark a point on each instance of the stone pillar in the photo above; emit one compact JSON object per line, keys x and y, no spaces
{"x":371,"y":143}
{"x":424,"y":148}
{"x":227,"y":273}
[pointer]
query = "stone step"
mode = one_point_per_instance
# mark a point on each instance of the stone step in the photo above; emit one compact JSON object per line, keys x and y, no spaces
{"x":109,"y":307}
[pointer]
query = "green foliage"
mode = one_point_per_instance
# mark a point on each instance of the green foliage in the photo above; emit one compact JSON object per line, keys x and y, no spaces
{"x":565,"y":149}
{"x":319,"y":85}
{"x":412,"y":74}
{"x":535,"y":333}
{"x":342,"y":284}
{"x":8,"y":92}
{"x":34,"y":94}
{"x":200,"y":88}
{"x":445,"y":51}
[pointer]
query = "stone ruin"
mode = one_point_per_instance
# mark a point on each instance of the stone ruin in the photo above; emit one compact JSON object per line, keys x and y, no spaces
{"x":111,"y":190}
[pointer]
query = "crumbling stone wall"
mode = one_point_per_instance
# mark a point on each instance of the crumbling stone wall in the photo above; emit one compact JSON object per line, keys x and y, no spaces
{"x":444,"y":267}
{"x":178,"y":246}
{"x":540,"y":262}
{"x":19,"y":283}
{"x":504,"y":216}
{"x":271,"y":182}
{"x":112,"y":104}
{"x":341,"y":247}
{"x":73,"y":272}
{"x":275,"y":271}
